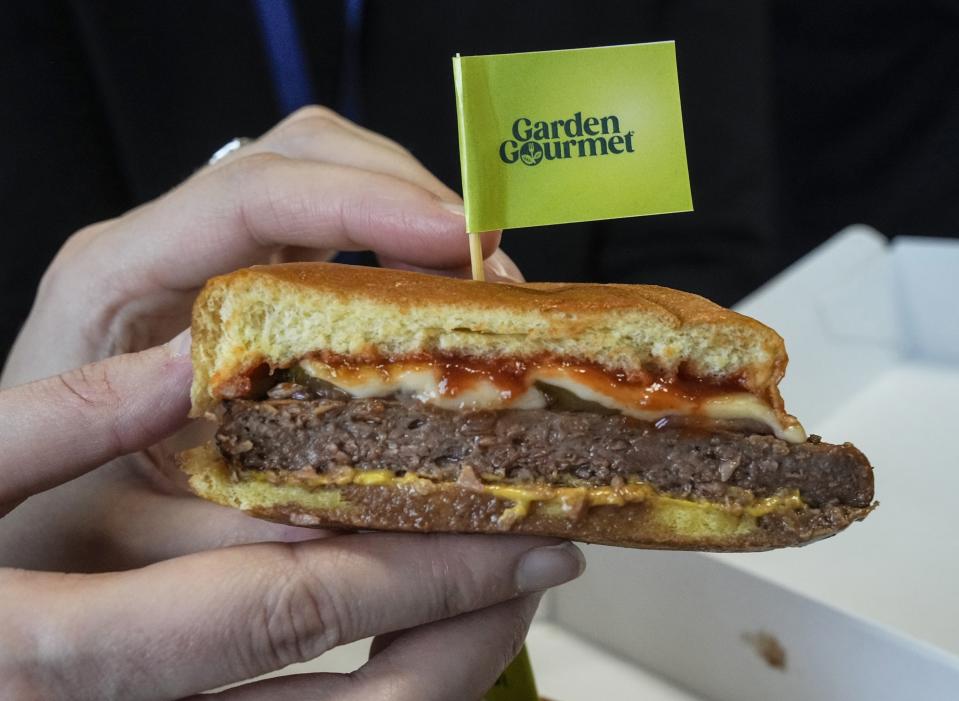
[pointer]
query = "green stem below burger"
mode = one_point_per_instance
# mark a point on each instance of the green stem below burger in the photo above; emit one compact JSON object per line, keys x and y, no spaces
{"x":516,"y":683}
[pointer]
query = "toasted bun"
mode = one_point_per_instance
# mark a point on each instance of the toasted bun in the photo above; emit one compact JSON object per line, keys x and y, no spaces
{"x":276,"y":314}
{"x":656,"y":522}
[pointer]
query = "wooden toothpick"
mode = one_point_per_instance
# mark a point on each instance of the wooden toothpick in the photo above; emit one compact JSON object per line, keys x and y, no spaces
{"x":476,"y":257}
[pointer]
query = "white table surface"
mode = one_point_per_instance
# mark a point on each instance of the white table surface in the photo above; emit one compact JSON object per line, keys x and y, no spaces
{"x":566,"y":668}
{"x":570,"y":669}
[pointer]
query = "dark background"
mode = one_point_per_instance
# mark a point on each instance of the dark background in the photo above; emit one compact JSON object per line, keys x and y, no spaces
{"x":800,"y":118}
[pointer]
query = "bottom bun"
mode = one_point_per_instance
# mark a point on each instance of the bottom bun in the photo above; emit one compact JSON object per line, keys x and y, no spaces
{"x":419,"y":505}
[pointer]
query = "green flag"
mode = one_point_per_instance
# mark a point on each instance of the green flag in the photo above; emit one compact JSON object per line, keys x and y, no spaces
{"x":549,"y":137}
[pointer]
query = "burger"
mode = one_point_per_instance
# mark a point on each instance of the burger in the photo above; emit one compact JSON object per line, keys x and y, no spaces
{"x":633,"y":415}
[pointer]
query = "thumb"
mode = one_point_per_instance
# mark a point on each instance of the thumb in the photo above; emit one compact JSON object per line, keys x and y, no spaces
{"x":53,"y":430}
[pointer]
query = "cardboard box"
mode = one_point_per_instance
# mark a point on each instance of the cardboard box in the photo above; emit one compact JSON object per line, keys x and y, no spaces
{"x":872,"y":331}
{"x":888,"y":330}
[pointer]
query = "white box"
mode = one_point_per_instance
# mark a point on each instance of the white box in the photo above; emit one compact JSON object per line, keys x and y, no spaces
{"x":872,"y":331}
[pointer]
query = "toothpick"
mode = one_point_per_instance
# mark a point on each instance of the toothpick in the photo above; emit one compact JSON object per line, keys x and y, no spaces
{"x":476,"y":257}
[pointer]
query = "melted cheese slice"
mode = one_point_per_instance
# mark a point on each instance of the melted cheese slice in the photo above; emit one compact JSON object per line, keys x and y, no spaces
{"x":427,"y":383}
{"x":560,"y":501}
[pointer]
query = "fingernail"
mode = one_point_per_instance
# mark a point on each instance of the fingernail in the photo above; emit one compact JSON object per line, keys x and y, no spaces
{"x":179,"y":345}
{"x":454,"y":207}
{"x":542,"y":568}
{"x":499,"y":265}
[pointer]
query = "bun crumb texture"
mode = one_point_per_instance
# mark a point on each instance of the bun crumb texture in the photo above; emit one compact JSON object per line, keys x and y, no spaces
{"x":277,"y":314}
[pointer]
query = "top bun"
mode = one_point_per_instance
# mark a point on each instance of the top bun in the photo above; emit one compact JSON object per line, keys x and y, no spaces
{"x":276,"y":314}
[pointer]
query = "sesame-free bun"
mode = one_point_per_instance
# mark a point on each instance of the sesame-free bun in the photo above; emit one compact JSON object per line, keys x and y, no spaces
{"x":276,"y":314}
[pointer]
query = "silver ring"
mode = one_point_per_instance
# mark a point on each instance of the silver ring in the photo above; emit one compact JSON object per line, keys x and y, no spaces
{"x":228,"y":148}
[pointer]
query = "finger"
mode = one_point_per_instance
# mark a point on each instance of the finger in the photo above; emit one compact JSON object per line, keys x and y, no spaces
{"x":231,"y":217}
{"x":307,"y":112}
{"x":110,"y":519}
{"x":233,"y":614}
{"x":56,"y":429}
{"x":458,"y":658}
{"x":312,"y":111}
{"x":498,"y":267}
{"x":170,"y":526}
{"x":319,"y":134}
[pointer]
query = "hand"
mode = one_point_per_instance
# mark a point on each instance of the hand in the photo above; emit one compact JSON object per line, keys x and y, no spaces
{"x":455,"y":608}
{"x":313,"y":184}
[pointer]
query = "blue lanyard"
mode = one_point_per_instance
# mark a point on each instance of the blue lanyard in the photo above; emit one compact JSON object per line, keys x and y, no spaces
{"x":350,"y":80}
{"x":290,"y":72}
{"x":287,"y":59}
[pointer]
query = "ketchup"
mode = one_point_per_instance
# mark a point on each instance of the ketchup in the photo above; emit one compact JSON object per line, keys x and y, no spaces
{"x":457,"y":374}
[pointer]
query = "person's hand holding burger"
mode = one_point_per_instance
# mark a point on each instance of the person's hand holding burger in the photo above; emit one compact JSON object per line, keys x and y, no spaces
{"x":79,"y":493}
{"x":314,"y":184}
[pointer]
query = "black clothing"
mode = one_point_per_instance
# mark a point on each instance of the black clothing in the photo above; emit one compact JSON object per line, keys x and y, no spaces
{"x":799,"y":119}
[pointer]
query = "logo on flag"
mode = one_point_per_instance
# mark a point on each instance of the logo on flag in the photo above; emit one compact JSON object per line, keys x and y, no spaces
{"x":550,"y":137}
{"x":531,"y":141}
